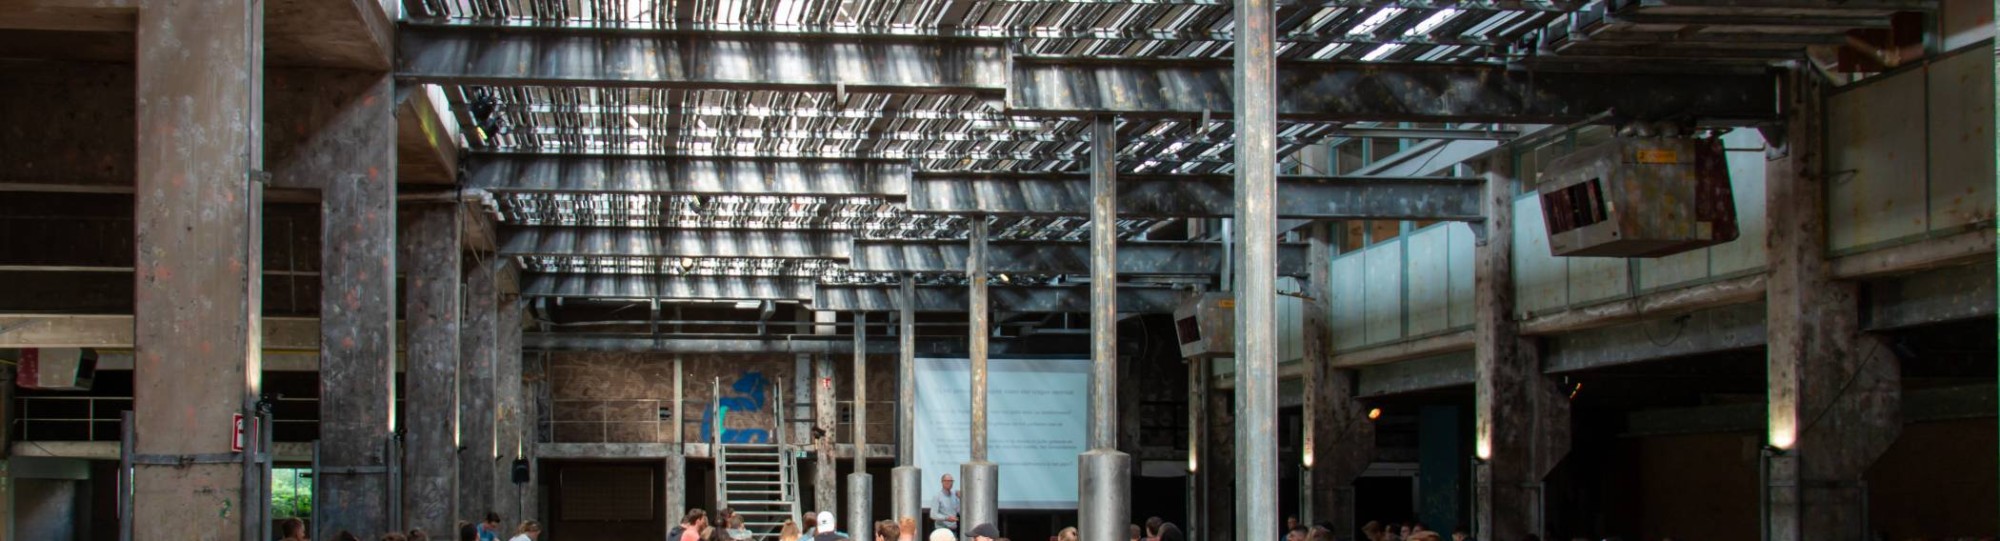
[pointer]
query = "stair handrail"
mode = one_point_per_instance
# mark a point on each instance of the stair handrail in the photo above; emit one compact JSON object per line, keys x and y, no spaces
{"x":786,"y":489}
{"x":715,"y":445}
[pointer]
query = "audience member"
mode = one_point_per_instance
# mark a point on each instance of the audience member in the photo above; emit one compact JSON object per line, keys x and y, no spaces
{"x":824,"y":523}
{"x":292,"y":529}
{"x":528,"y":531}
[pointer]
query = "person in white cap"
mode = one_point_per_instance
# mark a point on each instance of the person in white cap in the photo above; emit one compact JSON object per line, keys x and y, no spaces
{"x":942,"y":534}
{"x":824,"y":526}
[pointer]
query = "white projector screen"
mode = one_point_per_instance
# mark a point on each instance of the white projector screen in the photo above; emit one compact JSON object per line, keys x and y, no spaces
{"x":1037,"y":419}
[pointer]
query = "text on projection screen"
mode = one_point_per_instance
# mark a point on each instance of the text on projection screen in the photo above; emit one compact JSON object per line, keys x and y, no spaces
{"x":1037,"y":418}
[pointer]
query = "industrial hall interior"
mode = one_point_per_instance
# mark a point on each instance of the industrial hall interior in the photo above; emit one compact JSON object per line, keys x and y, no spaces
{"x":998,"y":270}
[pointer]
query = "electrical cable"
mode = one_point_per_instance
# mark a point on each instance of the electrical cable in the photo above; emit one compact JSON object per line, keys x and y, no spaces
{"x":1842,"y":392}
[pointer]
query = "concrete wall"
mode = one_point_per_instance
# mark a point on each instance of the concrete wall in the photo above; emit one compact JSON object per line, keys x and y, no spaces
{"x":51,"y":498}
{"x":574,"y":485}
{"x":1700,"y":486}
{"x":45,"y":509}
{"x":1910,"y":155}
{"x":1938,"y":481}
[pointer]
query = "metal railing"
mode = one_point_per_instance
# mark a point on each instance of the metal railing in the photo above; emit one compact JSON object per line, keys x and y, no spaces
{"x":881,"y":421}
{"x":97,"y":418}
{"x":615,"y":420}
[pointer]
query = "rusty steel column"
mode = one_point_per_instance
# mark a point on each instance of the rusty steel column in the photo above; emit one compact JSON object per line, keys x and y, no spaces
{"x":979,"y":501}
{"x":1339,"y":441}
{"x":906,"y":481}
{"x":1835,"y":394}
{"x":1256,"y":244}
{"x":351,"y":159}
{"x":1520,"y":417}
{"x":197,"y":301}
{"x":475,"y":387}
{"x":430,"y":261}
{"x":860,"y":485}
{"x":1104,"y":474}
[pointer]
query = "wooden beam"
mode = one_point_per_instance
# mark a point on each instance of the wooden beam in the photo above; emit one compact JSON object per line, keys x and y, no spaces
{"x":1405,"y":350}
{"x":344,"y":34}
{"x":69,"y":15}
{"x":426,"y":142}
{"x":1648,"y":306}
{"x":115,"y":332}
{"x":1955,"y":249}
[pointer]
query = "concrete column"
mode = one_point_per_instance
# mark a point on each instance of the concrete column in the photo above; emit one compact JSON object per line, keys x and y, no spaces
{"x":674,"y":485}
{"x":1521,"y":420}
{"x":198,"y":262}
{"x":1197,"y":484}
{"x":826,"y":416}
{"x":534,"y":386}
{"x":1835,"y":394}
{"x":430,"y":261}
{"x":508,"y":429}
{"x":1218,"y":463}
{"x":801,"y":405}
{"x":1339,"y":438}
{"x":337,"y":135}
{"x":476,"y":348}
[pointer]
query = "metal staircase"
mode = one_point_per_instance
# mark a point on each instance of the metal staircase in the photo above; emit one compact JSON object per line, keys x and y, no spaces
{"x":759,"y":481}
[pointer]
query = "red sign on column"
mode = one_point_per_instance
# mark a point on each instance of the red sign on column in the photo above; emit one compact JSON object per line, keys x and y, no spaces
{"x":236,"y":433}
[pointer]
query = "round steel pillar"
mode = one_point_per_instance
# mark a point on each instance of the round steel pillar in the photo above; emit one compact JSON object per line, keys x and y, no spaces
{"x":1104,"y":488}
{"x":979,"y":500}
{"x":906,"y":486}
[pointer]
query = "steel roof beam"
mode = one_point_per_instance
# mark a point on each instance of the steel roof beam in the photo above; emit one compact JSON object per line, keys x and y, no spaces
{"x":1198,"y":196}
{"x":451,"y":54}
{"x":1059,"y":257}
{"x":1389,"y":92}
{"x":835,"y":345}
{"x":649,"y":242}
{"x":1022,"y":299}
{"x":719,"y":288}
{"x":687,"y":176}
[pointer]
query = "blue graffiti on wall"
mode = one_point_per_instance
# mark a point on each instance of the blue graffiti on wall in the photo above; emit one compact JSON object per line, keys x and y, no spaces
{"x":746,"y":395}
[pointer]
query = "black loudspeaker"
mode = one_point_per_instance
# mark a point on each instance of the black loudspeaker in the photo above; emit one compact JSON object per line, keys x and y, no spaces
{"x":520,"y":471}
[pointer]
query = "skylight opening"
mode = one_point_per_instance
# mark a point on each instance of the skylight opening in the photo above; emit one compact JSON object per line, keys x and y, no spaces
{"x":1374,"y":22}
{"x":1382,"y":51}
{"x":1425,"y":27}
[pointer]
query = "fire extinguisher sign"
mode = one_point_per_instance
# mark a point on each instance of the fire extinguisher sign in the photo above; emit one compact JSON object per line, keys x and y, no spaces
{"x":236,"y":432}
